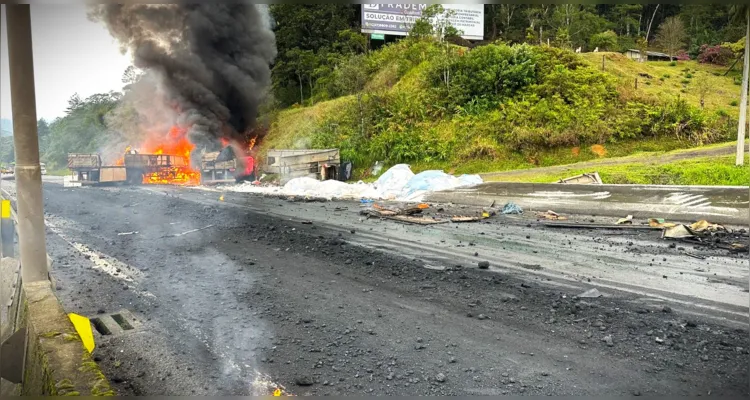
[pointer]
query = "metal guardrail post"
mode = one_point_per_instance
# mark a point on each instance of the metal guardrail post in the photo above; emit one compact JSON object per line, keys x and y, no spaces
{"x":31,"y":234}
{"x":7,"y":234}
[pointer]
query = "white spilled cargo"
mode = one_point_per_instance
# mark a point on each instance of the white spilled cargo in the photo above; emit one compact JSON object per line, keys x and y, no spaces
{"x":397,"y":183}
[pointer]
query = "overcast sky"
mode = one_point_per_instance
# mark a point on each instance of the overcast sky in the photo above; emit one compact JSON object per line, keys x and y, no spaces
{"x":71,"y":54}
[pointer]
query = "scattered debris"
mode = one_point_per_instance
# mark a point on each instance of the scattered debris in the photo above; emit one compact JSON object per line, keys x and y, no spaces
{"x":126,"y":233}
{"x":659,"y":223}
{"x":417,"y":220}
{"x":627,"y":220}
{"x":188,"y":232}
{"x":704,"y":225}
{"x":591,"y":293}
{"x":592,"y":178}
{"x":598,"y":226}
{"x":303,"y":380}
{"x":440,"y":378}
{"x":465,"y":219}
{"x":512,"y":208}
{"x":608,"y":340}
{"x":695,"y":256}
{"x":551,"y":215}
{"x":678,"y":232}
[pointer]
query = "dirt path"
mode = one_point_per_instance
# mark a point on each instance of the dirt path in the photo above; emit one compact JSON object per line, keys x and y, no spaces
{"x":232,"y":298}
{"x":717,"y":151}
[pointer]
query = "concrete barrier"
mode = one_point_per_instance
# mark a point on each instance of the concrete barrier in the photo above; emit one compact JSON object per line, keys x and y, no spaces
{"x":718,"y":204}
{"x":43,"y":350}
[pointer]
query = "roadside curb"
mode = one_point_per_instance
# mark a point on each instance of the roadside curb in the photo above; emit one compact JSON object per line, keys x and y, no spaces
{"x":56,"y":363}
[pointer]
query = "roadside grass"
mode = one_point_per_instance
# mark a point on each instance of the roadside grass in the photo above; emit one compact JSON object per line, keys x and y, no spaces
{"x":507,"y":160}
{"x":709,"y":171}
{"x":666,"y":81}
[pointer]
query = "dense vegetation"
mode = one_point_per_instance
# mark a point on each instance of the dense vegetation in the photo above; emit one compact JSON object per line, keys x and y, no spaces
{"x":447,"y":106}
{"x":314,"y":40}
{"x":520,"y":98}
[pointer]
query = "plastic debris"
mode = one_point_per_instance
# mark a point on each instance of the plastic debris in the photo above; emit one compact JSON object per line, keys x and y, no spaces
{"x":551,"y":215}
{"x":377,"y":168}
{"x":704,"y":225}
{"x":659,"y":223}
{"x":397,"y":183}
{"x":626,"y":220}
{"x":512,"y":208}
{"x":678,"y":232}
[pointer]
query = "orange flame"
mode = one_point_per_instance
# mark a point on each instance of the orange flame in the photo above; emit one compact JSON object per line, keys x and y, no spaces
{"x":177,"y":145}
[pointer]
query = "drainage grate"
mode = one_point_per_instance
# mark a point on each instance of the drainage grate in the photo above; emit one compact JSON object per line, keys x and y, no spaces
{"x":124,"y":324}
{"x":115,"y":323}
{"x":100,"y":326}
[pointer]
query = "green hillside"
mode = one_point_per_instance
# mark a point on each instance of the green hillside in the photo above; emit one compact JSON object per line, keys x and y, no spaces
{"x":499,"y":107}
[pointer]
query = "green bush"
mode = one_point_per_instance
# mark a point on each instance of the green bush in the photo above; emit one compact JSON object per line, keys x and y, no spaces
{"x":499,"y":98}
{"x":689,"y":75}
{"x":673,"y":64}
{"x":685,"y":81}
{"x":734,"y":103}
{"x":605,"y":41}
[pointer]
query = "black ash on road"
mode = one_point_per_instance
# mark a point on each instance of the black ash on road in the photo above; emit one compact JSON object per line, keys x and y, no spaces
{"x":237,"y":297}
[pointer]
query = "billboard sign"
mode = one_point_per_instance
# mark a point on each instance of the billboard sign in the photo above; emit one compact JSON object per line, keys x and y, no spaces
{"x":397,"y":19}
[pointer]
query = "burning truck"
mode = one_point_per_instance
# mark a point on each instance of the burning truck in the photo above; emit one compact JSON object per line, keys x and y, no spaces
{"x":165,"y":161}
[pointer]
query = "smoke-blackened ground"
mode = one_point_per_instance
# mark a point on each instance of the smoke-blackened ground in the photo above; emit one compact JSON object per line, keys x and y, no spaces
{"x":372,"y":312}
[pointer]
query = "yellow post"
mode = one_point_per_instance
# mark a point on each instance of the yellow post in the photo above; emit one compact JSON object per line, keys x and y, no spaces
{"x":7,"y":232}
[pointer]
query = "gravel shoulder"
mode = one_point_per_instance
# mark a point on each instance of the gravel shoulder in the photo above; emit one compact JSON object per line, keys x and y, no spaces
{"x":233,"y":298}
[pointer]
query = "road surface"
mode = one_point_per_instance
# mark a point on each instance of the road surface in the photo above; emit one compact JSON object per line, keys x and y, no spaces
{"x":235,"y":297}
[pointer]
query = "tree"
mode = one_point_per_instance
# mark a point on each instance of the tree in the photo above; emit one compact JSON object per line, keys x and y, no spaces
{"x":604,"y":41}
{"x":353,"y":77}
{"x":743,"y":11}
{"x":626,"y":15}
{"x":648,"y":30}
{"x":313,"y":27}
{"x":671,"y":36}
{"x":42,"y":128}
{"x":130,"y":77}
{"x":83,"y":127}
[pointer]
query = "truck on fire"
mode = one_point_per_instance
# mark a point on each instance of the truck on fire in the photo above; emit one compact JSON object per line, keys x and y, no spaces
{"x":135,"y":168}
{"x":224,"y":167}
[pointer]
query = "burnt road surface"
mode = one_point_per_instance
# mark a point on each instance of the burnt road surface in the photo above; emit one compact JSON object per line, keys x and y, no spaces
{"x":240,"y":296}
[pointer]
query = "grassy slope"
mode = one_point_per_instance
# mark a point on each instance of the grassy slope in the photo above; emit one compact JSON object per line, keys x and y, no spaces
{"x":293,"y":127}
{"x":722,"y":88}
{"x":719,"y":171}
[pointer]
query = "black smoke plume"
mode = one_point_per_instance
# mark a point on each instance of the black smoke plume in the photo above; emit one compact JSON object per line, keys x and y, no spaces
{"x":212,"y":60}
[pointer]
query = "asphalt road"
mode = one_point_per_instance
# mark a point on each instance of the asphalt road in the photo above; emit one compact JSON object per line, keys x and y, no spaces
{"x":237,"y":296}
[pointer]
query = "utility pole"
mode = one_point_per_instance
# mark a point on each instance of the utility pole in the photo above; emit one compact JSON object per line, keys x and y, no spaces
{"x":31,"y":235}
